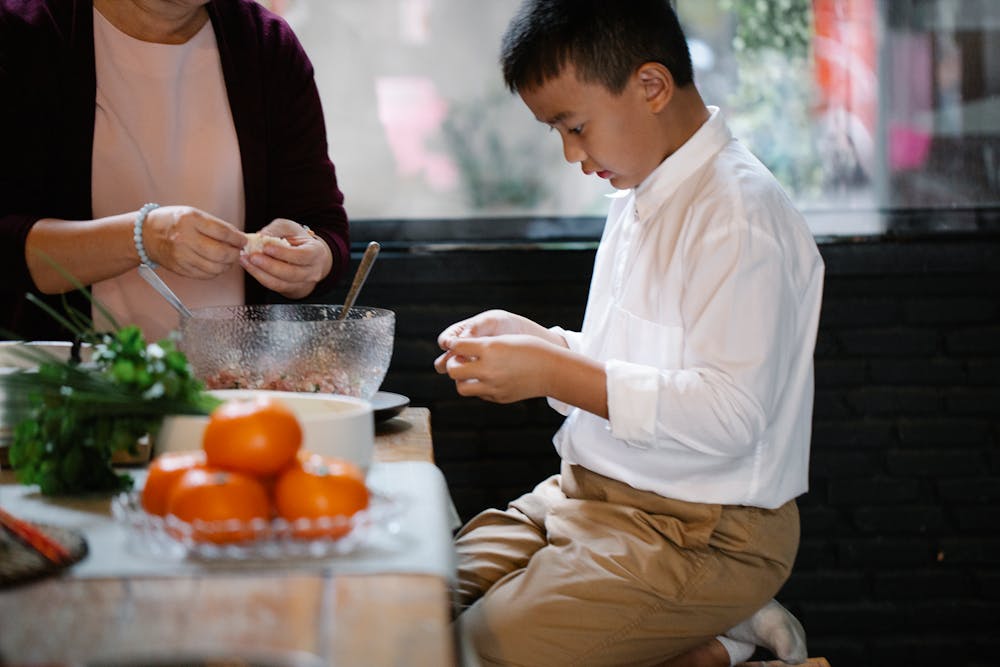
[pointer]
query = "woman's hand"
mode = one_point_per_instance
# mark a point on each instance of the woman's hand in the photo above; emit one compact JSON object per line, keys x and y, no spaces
{"x":290,"y":271}
{"x":191,"y":242}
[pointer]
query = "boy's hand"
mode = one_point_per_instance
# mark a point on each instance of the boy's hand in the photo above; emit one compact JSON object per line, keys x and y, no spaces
{"x":498,"y":368}
{"x":486,"y":324}
{"x":502,"y":357}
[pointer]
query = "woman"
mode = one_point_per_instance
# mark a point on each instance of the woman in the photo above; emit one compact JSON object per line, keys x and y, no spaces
{"x":208,"y":108}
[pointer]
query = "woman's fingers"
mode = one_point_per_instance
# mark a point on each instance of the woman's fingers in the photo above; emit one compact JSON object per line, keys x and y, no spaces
{"x":191,"y":242}
{"x":218,"y":230}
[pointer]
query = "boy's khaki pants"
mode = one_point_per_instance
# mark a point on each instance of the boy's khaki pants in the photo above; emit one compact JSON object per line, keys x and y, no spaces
{"x":585,"y":570}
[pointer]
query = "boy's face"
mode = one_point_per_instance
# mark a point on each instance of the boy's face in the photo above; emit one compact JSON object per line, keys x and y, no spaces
{"x":616,"y":137}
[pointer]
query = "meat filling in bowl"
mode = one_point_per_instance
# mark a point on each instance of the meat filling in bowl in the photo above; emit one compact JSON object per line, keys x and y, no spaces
{"x":333,"y":382}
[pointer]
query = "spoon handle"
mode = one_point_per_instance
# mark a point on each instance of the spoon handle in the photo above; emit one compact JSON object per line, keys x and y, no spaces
{"x":149,"y":275}
{"x":359,"y":277}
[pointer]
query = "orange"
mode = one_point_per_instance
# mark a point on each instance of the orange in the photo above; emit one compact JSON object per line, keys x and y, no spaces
{"x":258,"y":436}
{"x":317,"y":486}
{"x":213,"y":495}
{"x":164,"y":471}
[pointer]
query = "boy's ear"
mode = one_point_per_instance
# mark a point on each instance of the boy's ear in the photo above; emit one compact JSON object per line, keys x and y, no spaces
{"x":657,"y":84}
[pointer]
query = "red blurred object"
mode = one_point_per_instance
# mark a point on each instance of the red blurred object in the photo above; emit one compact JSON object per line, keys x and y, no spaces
{"x":846,"y":57}
{"x":846,"y":69}
{"x":35,"y":538}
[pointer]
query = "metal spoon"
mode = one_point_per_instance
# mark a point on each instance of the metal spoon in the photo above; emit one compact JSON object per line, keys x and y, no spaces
{"x":149,"y":275}
{"x":359,"y":277}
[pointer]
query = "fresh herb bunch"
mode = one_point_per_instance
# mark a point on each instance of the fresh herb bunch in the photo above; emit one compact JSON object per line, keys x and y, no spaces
{"x":71,"y":417}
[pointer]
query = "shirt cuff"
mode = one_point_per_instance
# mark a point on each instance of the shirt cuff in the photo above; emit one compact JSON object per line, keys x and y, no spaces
{"x":573,"y":341}
{"x":559,"y":406}
{"x":633,"y":392}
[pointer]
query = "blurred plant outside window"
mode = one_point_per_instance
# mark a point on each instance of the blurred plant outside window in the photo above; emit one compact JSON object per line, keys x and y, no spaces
{"x":857,"y":106}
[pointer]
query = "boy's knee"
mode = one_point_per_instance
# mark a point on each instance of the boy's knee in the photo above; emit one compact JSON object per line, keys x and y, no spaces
{"x":493,"y":633}
{"x":507,"y":629}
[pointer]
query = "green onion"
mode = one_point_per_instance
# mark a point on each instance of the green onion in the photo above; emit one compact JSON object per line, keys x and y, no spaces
{"x":71,"y":417}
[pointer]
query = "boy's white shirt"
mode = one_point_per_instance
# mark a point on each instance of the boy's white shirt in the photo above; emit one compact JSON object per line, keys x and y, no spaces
{"x":704,"y":307}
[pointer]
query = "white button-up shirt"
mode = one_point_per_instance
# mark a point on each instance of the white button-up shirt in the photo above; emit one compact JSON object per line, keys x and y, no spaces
{"x":703,"y":306}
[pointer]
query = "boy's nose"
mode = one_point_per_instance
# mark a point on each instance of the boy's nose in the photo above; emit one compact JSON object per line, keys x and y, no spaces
{"x":572,"y":151}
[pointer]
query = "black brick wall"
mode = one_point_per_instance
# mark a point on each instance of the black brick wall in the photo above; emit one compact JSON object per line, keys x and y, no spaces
{"x":900,"y":555}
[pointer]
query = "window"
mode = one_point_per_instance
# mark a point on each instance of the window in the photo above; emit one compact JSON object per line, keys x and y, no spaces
{"x":857,"y":106}
{"x":860,"y":106}
{"x":420,"y":124}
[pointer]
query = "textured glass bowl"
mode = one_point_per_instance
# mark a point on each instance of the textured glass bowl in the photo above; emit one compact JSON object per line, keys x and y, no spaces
{"x":290,"y":347}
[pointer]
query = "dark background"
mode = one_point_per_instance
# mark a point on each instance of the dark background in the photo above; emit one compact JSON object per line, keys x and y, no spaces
{"x":900,"y":556}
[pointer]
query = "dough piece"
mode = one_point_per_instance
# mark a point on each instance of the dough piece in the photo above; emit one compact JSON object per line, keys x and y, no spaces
{"x":256,"y":242}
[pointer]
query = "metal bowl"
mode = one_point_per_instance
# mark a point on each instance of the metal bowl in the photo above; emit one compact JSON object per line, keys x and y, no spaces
{"x":293,"y":347}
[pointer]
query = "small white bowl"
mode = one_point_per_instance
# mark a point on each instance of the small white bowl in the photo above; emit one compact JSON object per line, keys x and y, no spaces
{"x":12,"y":359}
{"x":11,"y":356}
{"x":332,"y":425}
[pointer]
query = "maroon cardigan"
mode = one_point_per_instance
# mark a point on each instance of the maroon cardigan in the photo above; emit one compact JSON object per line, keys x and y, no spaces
{"x":47,"y":107}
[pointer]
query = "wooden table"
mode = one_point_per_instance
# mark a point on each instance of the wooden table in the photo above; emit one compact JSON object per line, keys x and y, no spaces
{"x":283,"y":618}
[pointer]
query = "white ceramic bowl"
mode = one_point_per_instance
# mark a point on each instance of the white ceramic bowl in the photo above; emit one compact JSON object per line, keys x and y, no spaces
{"x":12,"y":359}
{"x":332,"y":425}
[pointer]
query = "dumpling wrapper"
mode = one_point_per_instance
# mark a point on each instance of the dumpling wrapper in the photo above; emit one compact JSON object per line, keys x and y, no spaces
{"x":256,"y":242}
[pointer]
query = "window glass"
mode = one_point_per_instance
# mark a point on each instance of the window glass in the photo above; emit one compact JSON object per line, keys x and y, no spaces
{"x":419,"y":122}
{"x":857,"y":106}
{"x":860,"y":107}
{"x":940,"y":105}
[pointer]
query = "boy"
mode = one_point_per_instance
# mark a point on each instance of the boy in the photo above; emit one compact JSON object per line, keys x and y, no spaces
{"x":688,"y":393}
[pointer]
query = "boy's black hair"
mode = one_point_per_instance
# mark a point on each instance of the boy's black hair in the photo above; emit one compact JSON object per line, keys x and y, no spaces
{"x":604,"y":40}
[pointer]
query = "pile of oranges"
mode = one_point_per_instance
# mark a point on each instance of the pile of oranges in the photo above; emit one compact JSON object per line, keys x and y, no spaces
{"x":251,"y":469}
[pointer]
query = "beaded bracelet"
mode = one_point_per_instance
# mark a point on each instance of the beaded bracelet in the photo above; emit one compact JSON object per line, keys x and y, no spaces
{"x":137,"y":234}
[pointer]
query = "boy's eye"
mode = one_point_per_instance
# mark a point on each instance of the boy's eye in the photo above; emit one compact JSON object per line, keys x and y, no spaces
{"x":576,"y":130}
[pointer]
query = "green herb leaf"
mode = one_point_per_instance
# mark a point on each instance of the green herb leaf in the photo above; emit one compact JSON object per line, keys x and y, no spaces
{"x":70,"y":418}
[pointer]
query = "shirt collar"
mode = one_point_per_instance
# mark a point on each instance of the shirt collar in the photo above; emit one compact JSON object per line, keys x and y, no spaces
{"x":663,"y":181}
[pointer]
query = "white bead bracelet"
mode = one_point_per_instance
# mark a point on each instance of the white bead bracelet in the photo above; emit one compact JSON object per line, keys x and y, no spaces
{"x":137,"y":234}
